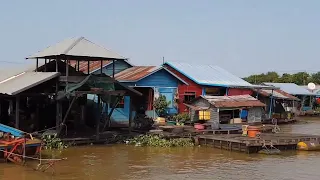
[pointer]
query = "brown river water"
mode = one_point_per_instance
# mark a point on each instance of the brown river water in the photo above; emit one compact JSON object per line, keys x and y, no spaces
{"x":121,"y":162}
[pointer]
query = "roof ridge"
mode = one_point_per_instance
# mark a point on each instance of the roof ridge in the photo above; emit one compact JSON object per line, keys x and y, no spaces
{"x":73,"y":45}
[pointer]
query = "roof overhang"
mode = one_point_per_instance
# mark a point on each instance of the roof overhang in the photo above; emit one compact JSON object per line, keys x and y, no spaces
{"x":24,"y":81}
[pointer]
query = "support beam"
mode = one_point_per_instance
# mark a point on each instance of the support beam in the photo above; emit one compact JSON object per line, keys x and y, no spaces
{"x":67,"y":72}
{"x":10,"y":107}
{"x":130,"y":115}
{"x":113,"y":68}
{"x":58,"y":115}
{"x":112,"y":93}
{"x":17,"y":112}
{"x":88,"y":67}
{"x":108,"y":120}
{"x":78,"y":65}
{"x":271,"y":104}
{"x":57,"y":69}
{"x":101,"y":65}
{"x":45,"y":65}
{"x":67,"y":113}
{"x":37,"y":65}
{"x":98,"y":119}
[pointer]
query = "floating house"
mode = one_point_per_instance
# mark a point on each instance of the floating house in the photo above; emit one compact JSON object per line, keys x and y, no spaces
{"x":73,"y":85}
{"x":279,"y":104}
{"x":304,"y":95}
{"x":225,"y":109}
{"x":315,"y":91}
{"x":151,"y":81}
{"x":206,"y":80}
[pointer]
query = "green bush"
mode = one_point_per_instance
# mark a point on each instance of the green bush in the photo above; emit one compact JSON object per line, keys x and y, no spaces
{"x":53,"y":142}
{"x":160,"y":104}
{"x":159,"y":141}
{"x":181,"y":118}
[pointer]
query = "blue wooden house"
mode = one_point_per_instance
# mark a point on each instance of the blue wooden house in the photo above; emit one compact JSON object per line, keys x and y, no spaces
{"x":151,"y":81}
{"x":94,"y":68}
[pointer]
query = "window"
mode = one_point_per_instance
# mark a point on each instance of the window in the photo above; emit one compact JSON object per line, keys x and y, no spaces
{"x":121,"y":103}
{"x":204,"y":115}
{"x":189,"y":96}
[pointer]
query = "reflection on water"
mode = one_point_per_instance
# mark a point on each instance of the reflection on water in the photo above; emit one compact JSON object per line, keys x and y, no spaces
{"x":128,"y":162}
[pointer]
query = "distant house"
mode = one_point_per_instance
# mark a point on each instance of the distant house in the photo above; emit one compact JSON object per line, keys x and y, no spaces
{"x":315,"y":91}
{"x":150,"y":81}
{"x":277,"y":102}
{"x":223,"y":109}
{"x":206,"y":80}
{"x":303,"y":94}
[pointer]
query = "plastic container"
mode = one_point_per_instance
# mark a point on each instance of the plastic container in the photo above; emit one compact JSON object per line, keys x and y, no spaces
{"x":253,"y":131}
{"x":171,"y":123}
{"x":199,"y":126}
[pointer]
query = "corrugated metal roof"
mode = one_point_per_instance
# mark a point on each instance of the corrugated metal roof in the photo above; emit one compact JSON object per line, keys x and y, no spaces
{"x":93,"y":65}
{"x":316,"y":90}
{"x":279,"y":94}
{"x":233,"y":101}
{"x":26,"y":80}
{"x":6,"y":73}
{"x":291,"y":88}
{"x":208,"y":75}
{"x":78,"y":47}
{"x":135,"y":73}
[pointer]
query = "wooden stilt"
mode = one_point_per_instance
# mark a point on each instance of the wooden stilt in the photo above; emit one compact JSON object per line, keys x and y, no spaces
{"x":98,"y":119}
{"x":17,"y":112}
{"x":130,"y":115}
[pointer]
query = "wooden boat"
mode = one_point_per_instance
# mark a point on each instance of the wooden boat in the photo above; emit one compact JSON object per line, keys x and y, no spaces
{"x":15,"y":143}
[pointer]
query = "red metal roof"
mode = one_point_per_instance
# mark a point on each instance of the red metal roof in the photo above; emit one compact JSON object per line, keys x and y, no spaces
{"x":135,"y":73}
{"x":93,"y":65}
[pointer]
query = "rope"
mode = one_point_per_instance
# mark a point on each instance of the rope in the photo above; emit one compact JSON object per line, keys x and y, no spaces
{"x":29,"y":157}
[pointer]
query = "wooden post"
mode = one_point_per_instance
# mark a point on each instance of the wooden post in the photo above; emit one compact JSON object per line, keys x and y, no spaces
{"x":17,"y":111}
{"x":58,"y":105}
{"x":37,"y":118}
{"x":101,"y":64}
{"x":130,"y":115}
{"x":57,"y":70}
{"x":37,"y":65}
{"x":10,"y":107}
{"x":113,"y":68}
{"x":82,"y":118}
{"x":88,"y":67}
{"x":45,"y":65}
{"x":67,"y":73}
{"x":78,"y":64}
{"x":98,"y":119}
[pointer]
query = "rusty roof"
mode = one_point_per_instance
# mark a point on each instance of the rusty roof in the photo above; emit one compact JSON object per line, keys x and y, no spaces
{"x":93,"y":65}
{"x":278,"y":94}
{"x":135,"y":73}
{"x":233,"y":101}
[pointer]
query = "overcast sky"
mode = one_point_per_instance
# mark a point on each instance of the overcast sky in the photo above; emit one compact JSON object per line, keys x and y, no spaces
{"x":242,"y":36}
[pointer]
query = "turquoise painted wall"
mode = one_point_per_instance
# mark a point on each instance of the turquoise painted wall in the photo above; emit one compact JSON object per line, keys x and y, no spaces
{"x":108,"y":70}
{"x":119,"y":114}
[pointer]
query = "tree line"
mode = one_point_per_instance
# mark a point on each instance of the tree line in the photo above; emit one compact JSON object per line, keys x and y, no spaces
{"x":300,"y":78}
